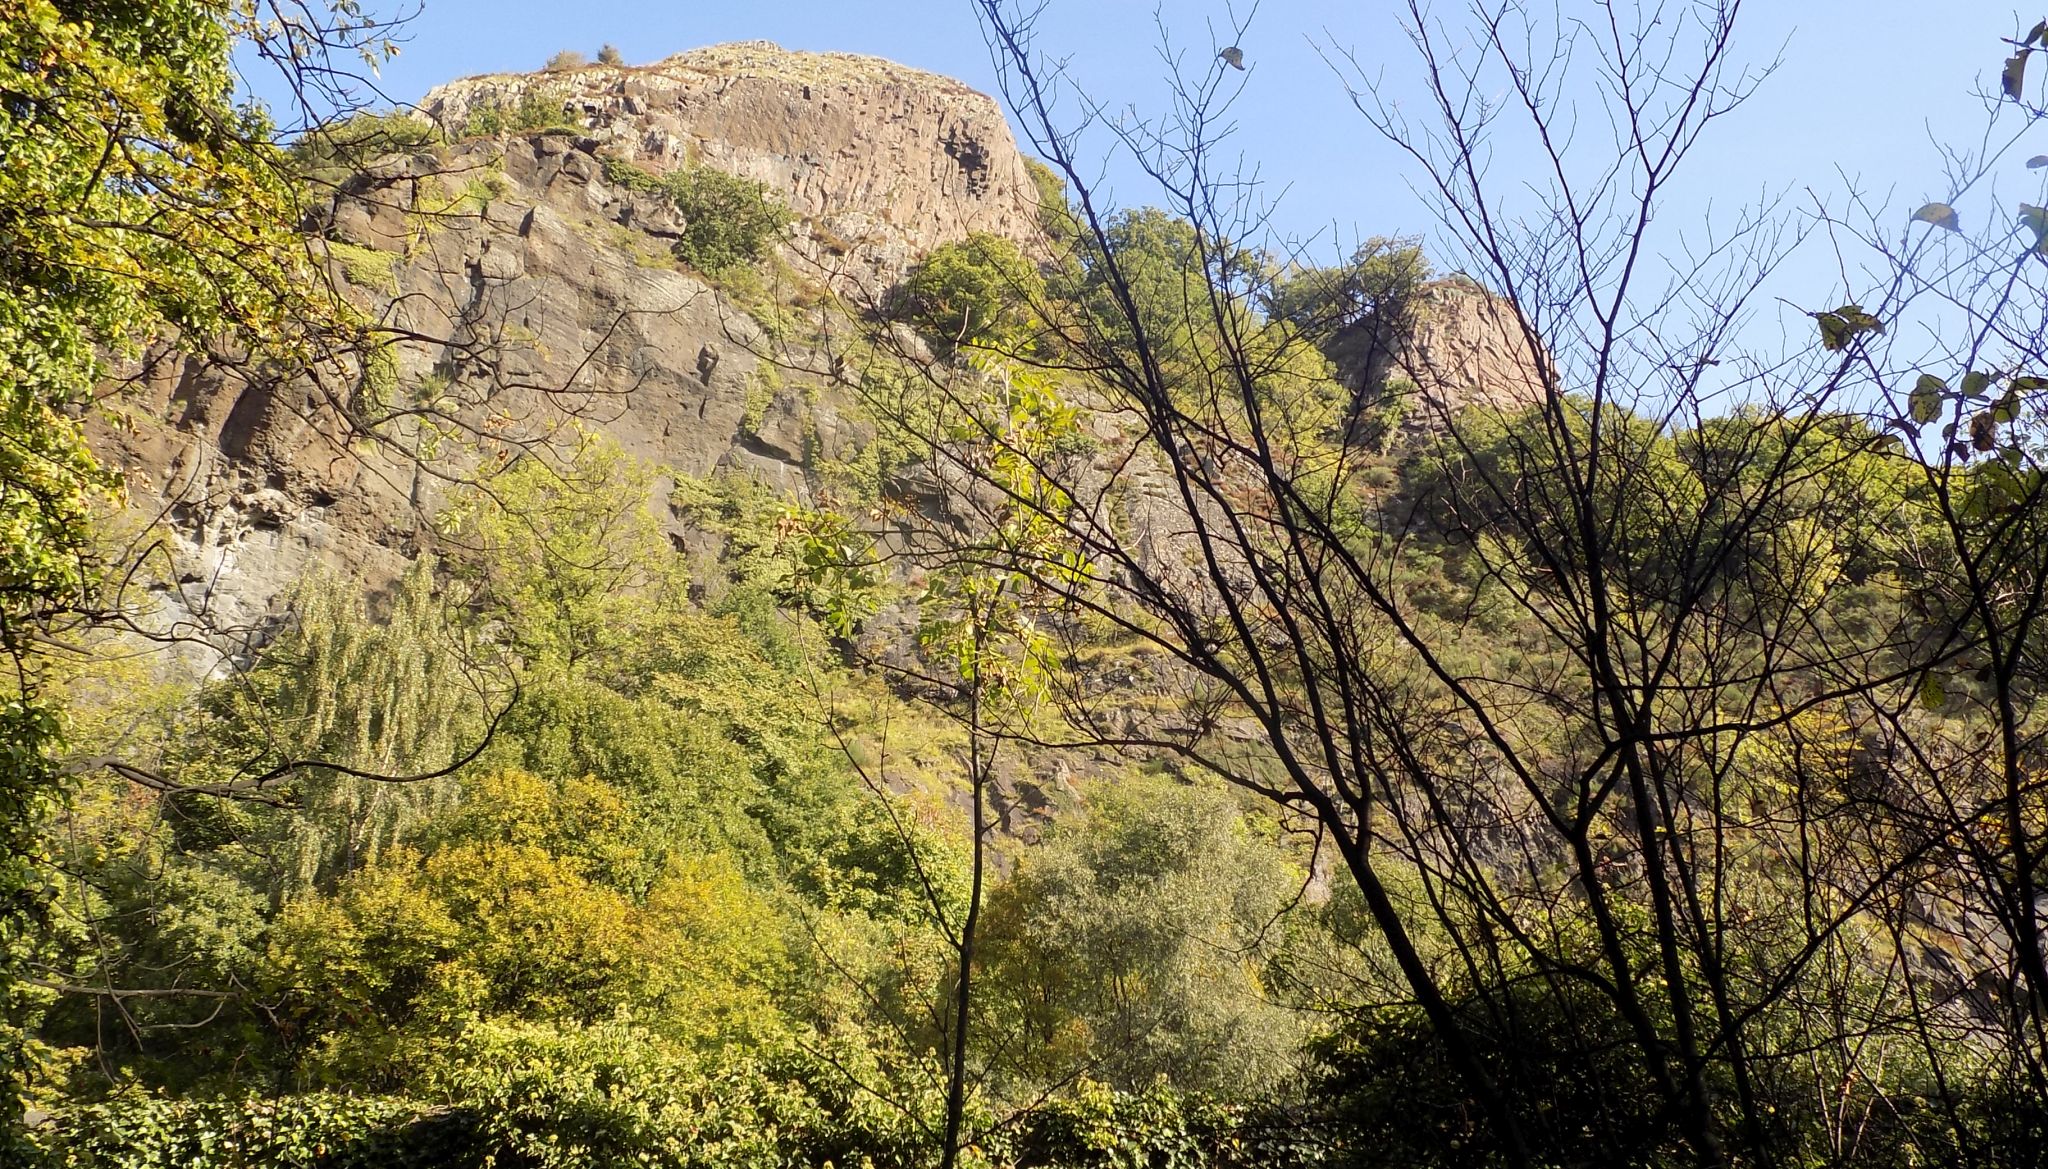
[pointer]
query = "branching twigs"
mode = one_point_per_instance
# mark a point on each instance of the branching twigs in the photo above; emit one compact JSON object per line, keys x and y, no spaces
{"x":1698,"y":561}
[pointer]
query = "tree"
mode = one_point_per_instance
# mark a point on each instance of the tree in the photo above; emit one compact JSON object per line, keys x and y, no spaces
{"x":964,"y":292}
{"x":1579,"y":728}
{"x":982,"y":655}
{"x":160,"y":221}
{"x":143,"y":202}
{"x":523,"y":905}
{"x":567,"y":552}
{"x":1133,"y":946}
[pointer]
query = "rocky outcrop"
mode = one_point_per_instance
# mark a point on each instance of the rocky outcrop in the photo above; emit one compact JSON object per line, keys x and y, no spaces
{"x":252,"y":497}
{"x":529,"y":287}
{"x":1448,"y":346}
{"x":1468,"y":347}
{"x":530,"y":291}
{"x":883,"y":163}
{"x":522,"y":303}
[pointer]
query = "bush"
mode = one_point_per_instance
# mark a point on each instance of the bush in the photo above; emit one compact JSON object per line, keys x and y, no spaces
{"x":971,"y":291}
{"x":1391,"y":1096}
{"x":610,"y":55}
{"x":531,"y":1097}
{"x":1053,"y":213}
{"x":315,"y":1131}
{"x":614,"y":1095}
{"x":334,"y":152}
{"x":566,"y":60}
{"x":1094,"y":1127}
{"x":539,"y":108}
{"x":728,"y":222}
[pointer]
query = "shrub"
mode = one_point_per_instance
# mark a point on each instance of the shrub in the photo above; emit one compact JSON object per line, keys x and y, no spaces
{"x":323,"y":1130}
{"x":539,"y":108}
{"x":334,"y":152}
{"x":566,"y":60}
{"x":1053,"y":213}
{"x":1092,"y":1126}
{"x":610,"y":55}
{"x":973,"y":290}
{"x":527,"y":1096}
{"x":728,"y":222}
{"x":612,"y":1095}
{"x":1390,"y":1094}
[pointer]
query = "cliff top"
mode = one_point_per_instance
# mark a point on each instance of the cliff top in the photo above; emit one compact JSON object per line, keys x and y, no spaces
{"x":763,"y":59}
{"x":885,"y":161}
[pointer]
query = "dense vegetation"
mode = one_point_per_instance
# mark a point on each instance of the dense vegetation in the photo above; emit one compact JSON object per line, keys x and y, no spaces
{"x":1252,"y":760}
{"x":659,"y":890}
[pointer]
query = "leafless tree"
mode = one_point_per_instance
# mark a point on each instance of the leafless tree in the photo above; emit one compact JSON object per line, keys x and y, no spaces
{"x":1616,"y":713}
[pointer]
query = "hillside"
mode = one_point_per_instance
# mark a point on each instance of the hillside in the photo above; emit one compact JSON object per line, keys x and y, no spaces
{"x":520,"y":281}
{"x":715,"y":614}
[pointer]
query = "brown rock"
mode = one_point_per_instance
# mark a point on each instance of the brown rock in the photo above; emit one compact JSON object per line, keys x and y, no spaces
{"x":1458,"y":346}
{"x":883,"y":162}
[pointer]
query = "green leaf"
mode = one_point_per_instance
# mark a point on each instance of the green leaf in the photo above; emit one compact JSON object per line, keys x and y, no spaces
{"x":1975,"y":504}
{"x":1925,"y":401}
{"x":1997,"y":479}
{"x":2015,"y":78}
{"x":1940,"y":215}
{"x":1932,"y":693}
{"x":1844,"y":325}
{"x":1974,"y":383}
{"x":2035,"y":219}
{"x":2039,"y":36}
{"x":2008,"y":407}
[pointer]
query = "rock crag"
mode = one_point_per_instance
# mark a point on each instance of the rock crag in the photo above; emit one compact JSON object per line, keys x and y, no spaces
{"x":882,"y":162}
{"x":1453,"y":346}
{"x":528,"y":288}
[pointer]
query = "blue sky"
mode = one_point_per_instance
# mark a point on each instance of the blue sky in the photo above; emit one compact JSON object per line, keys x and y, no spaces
{"x":1864,"y":91}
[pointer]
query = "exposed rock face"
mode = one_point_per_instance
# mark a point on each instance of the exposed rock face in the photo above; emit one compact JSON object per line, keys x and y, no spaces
{"x":530,"y":289}
{"x":253,"y":498}
{"x":528,"y":306}
{"x":883,"y":162}
{"x":1468,"y":347}
{"x":1456,"y":346}
{"x":535,"y":290}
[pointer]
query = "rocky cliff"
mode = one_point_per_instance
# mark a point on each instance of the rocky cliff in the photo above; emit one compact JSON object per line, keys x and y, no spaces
{"x":1463,"y":347}
{"x":1450,"y":345}
{"x":883,"y":163}
{"x":525,"y":285}
{"x":524,"y":290}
